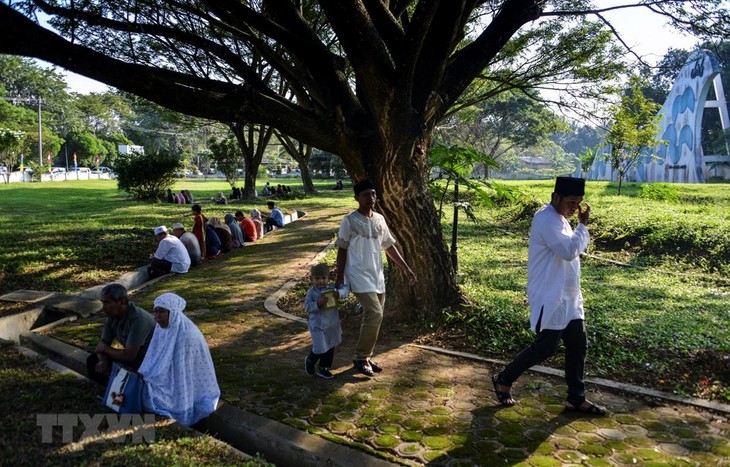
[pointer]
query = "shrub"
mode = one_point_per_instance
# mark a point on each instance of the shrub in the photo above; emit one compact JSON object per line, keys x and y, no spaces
{"x":660,"y":192}
{"x":147,"y":176}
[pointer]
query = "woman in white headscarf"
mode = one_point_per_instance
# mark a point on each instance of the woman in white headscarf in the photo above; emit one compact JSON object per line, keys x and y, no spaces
{"x":179,"y":377}
{"x":256,"y":218}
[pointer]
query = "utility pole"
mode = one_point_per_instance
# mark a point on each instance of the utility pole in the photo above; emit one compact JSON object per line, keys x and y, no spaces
{"x":40,"y":135}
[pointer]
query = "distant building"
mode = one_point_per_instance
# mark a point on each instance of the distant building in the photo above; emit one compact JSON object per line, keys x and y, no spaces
{"x":127,"y":149}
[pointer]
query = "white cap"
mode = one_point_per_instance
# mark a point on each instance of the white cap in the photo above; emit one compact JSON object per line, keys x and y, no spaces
{"x":177,"y":225}
{"x":160,"y":229}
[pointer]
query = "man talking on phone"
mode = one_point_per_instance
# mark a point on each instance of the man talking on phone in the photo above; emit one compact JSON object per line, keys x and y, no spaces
{"x":553,"y":291}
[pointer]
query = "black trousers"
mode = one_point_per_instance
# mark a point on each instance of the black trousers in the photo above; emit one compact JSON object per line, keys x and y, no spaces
{"x":270,"y":224}
{"x":545,"y":344}
{"x":159,"y":267}
{"x":325,"y":359}
{"x":103,"y":379}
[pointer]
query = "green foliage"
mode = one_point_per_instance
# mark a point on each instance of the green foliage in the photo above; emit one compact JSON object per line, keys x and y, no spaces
{"x":587,"y":158}
{"x":633,"y":130}
{"x":457,"y":163}
{"x":228,"y":157}
{"x":87,"y":147}
{"x":660,"y":192}
{"x":10,"y":144}
{"x":36,"y":170}
{"x":147,"y":176}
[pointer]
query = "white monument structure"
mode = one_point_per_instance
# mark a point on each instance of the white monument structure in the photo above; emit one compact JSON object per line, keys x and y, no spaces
{"x":681,"y":158}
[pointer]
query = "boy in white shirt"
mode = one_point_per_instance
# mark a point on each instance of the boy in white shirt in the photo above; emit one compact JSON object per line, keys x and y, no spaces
{"x":363,"y":233}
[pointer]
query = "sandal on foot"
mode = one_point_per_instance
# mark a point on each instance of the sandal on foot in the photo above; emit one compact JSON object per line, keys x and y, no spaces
{"x":591,"y":408}
{"x":504,"y":398}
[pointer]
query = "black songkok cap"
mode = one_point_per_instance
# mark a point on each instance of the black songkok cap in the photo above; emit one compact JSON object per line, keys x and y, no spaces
{"x":570,"y":186}
{"x":363,"y":185}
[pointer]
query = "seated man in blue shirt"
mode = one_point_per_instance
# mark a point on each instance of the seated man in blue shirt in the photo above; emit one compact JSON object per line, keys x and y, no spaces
{"x":276,"y":218}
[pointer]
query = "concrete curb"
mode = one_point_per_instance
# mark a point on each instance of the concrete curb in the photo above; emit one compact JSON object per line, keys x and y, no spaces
{"x":280,"y":443}
{"x":272,"y":300}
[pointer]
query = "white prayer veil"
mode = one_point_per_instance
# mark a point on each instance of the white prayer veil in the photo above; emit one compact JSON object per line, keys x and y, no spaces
{"x":178,"y":372}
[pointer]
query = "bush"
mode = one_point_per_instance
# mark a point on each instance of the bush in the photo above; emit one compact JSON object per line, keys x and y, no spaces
{"x":660,"y":192}
{"x":147,"y":176}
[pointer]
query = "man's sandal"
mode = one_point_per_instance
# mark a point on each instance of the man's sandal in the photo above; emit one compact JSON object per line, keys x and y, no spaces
{"x":586,"y":407}
{"x":504,"y":398}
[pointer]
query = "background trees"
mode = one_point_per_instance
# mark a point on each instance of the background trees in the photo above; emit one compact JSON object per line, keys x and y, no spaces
{"x":633,"y":129}
{"x":366,"y":80}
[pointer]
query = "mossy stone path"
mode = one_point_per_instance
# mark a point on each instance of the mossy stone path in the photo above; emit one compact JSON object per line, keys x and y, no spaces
{"x":425,"y":407}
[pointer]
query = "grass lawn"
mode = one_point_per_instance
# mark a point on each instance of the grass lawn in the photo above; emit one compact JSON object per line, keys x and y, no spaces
{"x":661,"y":320}
{"x":29,"y":388}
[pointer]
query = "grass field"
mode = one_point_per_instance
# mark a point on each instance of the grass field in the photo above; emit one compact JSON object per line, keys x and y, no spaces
{"x":661,"y":319}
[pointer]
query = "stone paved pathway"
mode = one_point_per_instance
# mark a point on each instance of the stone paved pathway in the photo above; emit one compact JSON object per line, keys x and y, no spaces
{"x":425,"y":408}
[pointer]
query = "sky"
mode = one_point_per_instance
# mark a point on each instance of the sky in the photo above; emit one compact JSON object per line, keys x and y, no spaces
{"x":646,"y":32}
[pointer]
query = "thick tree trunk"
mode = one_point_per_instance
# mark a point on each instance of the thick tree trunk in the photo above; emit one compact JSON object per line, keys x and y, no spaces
{"x":407,"y":204}
{"x":307,"y":179}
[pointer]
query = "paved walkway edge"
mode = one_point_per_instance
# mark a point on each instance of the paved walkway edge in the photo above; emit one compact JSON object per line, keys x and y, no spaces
{"x":280,"y":443}
{"x":717,"y":406}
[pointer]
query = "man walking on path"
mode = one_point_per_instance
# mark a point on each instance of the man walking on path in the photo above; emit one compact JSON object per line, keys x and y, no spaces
{"x":362,"y":234}
{"x":553,"y":291}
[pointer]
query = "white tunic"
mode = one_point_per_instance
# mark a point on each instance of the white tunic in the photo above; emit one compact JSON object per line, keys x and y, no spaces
{"x":363,"y":238}
{"x":553,"y":270}
{"x":173,"y":250}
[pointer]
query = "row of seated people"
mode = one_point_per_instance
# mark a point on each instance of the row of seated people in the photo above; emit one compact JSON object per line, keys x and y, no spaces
{"x":184,"y":197}
{"x":209,"y":237}
{"x":269,"y":190}
{"x":215,"y":236}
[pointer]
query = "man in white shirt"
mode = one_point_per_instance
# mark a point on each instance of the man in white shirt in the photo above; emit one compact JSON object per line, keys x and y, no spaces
{"x":171,"y":255}
{"x":363,"y":233}
{"x":553,"y":291}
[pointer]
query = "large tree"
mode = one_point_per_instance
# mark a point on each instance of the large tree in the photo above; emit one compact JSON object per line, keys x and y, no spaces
{"x":367,"y":80}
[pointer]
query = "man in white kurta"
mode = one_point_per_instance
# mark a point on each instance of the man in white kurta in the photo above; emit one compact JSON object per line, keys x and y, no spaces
{"x":170,"y":256}
{"x":553,"y":291}
{"x":362,"y":237}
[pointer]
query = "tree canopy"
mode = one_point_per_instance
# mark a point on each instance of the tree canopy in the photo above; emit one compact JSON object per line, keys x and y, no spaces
{"x":367,"y":80}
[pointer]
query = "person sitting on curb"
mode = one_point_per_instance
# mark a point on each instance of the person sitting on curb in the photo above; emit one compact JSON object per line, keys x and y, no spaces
{"x":199,"y":223}
{"x":178,"y":372}
{"x":248,"y":227}
{"x":212,"y":242}
{"x":256,"y":219}
{"x":275,"y":219}
{"x":171,"y":255}
{"x":190,"y":242}
{"x":223,"y":232}
{"x":126,"y":323}
{"x":235,"y":229}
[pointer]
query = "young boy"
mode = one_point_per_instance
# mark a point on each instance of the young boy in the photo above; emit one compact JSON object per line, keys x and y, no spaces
{"x":324,"y":321}
{"x":363,"y":234}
